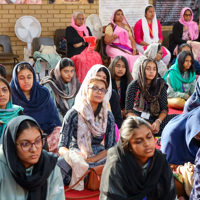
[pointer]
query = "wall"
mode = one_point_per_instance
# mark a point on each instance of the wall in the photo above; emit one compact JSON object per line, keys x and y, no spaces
{"x":50,"y":16}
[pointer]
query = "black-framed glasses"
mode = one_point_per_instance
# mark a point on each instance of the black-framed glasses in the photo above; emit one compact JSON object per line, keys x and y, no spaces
{"x":96,"y":89}
{"x":188,"y":15}
{"x":27,"y":146}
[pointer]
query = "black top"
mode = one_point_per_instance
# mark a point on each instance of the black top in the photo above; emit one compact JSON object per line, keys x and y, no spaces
{"x":73,"y":37}
{"x":115,"y":108}
{"x":177,"y":37}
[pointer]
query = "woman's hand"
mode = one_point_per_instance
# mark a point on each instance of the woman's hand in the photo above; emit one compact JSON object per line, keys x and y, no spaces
{"x":155,"y":127}
{"x":78,"y":44}
{"x":134,"y":51}
{"x":90,"y":160}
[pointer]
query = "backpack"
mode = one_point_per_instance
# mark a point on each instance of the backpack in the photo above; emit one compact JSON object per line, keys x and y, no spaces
{"x":62,"y":43}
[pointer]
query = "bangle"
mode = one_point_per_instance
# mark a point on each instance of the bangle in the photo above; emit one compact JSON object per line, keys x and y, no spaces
{"x":159,"y":120}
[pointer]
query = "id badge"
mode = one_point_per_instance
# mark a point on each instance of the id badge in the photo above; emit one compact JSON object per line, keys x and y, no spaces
{"x":145,"y":115}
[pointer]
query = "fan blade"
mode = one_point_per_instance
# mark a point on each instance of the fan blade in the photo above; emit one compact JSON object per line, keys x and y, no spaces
{"x":34,"y":30}
{"x":89,"y":24}
{"x":22,"y":32}
{"x":26,"y":22}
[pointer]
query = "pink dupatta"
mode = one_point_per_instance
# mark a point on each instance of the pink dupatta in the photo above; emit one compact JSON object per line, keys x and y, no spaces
{"x":192,"y":26}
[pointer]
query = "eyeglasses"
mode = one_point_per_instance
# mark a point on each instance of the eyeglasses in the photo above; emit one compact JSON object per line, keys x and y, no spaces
{"x":96,"y":89}
{"x":80,"y":19}
{"x":27,"y":146}
{"x":188,"y":15}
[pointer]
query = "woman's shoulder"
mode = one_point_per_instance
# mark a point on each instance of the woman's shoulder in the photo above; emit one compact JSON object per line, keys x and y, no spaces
{"x":177,"y":24}
{"x":71,"y":114}
{"x":133,"y":84}
{"x":2,"y":158}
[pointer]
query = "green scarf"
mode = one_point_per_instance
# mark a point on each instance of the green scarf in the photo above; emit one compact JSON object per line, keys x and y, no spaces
{"x":7,"y":114}
{"x":176,"y":79}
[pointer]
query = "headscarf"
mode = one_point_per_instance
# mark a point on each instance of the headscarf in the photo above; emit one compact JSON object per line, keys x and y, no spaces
{"x":125,"y":21}
{"x":177,"y":139}
{"x":80,"y":28}
{"x":151,"y":100}
{"x":176,"y":79}
{"x":57,"y":84}
{"x":194,"y":100}
{"x":145,"y":28}
{"x":7,"y":114}
{"x":122,"y":164}
{"x":192,"y":26}
{"x":36,"y":184}
{"x":150,"y":52}
{"x":87,"y":124}
{"x":40,"y":106}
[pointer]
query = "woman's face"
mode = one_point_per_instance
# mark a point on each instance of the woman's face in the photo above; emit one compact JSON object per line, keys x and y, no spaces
{"x":94,"y":94}
{"x":25,"y":79}
{"x":120,"y":69}
{"x":30,"y":157}
{"x":150,"y":71}
{"x":150,"y":13}
{"x":67,"y":73}
{"x":187,"y":15}
{"x":119,"y":16}
{"x":102,"y":75}
{"x":159,"y":55}
{"x":188,"y":62}
{"x":142,"y":144}
{"x":79,"y":20}
{"x":4,"y":95}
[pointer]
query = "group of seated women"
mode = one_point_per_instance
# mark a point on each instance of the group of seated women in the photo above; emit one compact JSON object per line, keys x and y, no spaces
{"x":76,"y":112}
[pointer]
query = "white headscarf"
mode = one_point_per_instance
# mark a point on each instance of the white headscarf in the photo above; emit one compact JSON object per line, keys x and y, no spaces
{"x":150,"y":52}
{"x":88,"y":124}
{"x":145,"y":29}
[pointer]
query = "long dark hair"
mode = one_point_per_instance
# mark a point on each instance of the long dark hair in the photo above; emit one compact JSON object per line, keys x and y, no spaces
{"x":111,"y":68}
{"x":2,"y":71}
{"x":181,"y":60}
{"x":142,"y":81}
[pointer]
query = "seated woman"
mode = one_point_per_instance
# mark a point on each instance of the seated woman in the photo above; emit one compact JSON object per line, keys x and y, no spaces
{"x":134,"y":168}
{"x":184,"y":30}
{"x":103,"y":72}
{"x":146,"y":97}
{"x":36,"y":101}
{"x":85,"y":126}
{"x":180,"y":138}
{"x":2,"y":71}
{"x":7,"y":109}
{"x":181,"y":79}
{"x":153,"y":51}
{"x":121,"y":77}
{"x":63,"y":85}
{"x":120,"y":39}
{"x":77,"y":47}
{"x":27,"y":171}
{"x":194,"y":100}
{"x":148,"y":30}
{"x":187,"y":47}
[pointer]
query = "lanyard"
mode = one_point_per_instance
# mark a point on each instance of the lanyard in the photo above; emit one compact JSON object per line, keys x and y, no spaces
{"x":151,"y":31}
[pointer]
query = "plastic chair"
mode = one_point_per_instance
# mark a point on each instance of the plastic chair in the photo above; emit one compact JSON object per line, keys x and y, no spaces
{"x":58,"y":34}
{"x":7,"y":51}
{"x":105,"y":58}
{"x":165,"y":35}
{"x":37,"y":42}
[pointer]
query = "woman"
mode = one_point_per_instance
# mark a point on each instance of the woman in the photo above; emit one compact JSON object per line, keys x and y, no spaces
{"x":121,"y":77}
{"x":63,"y":85}
{"x":181,"y":79}
{"x":180,"y":138}
{"x":146,"y":97}
{"x":184,"y":30}
{"x":148,"y":30}
{"x":153,"y":51}
{"x":119,"y":39}
{"x":77,"y":47}
{"x":84,"y":128}
{"x":27,"y":171}
{"x":36,"y":101}
{"x":7,"y":109}
{"x":134,"y":168}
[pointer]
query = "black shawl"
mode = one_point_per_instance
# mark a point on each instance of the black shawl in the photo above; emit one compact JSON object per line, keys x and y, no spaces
{"x":36,"y":184}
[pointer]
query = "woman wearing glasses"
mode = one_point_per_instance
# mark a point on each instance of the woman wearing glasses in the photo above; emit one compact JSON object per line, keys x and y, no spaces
{"x":77,"y":47}
{"x":155,"y":52}
{"x":85,"y":126}
{"x":27,"y":171}
{"x":184,"y":30}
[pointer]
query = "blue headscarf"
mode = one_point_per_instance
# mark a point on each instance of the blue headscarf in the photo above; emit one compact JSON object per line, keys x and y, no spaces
{"x":40,"y":106}
{"x":194,"y":100}
{"x":177,"y":139}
